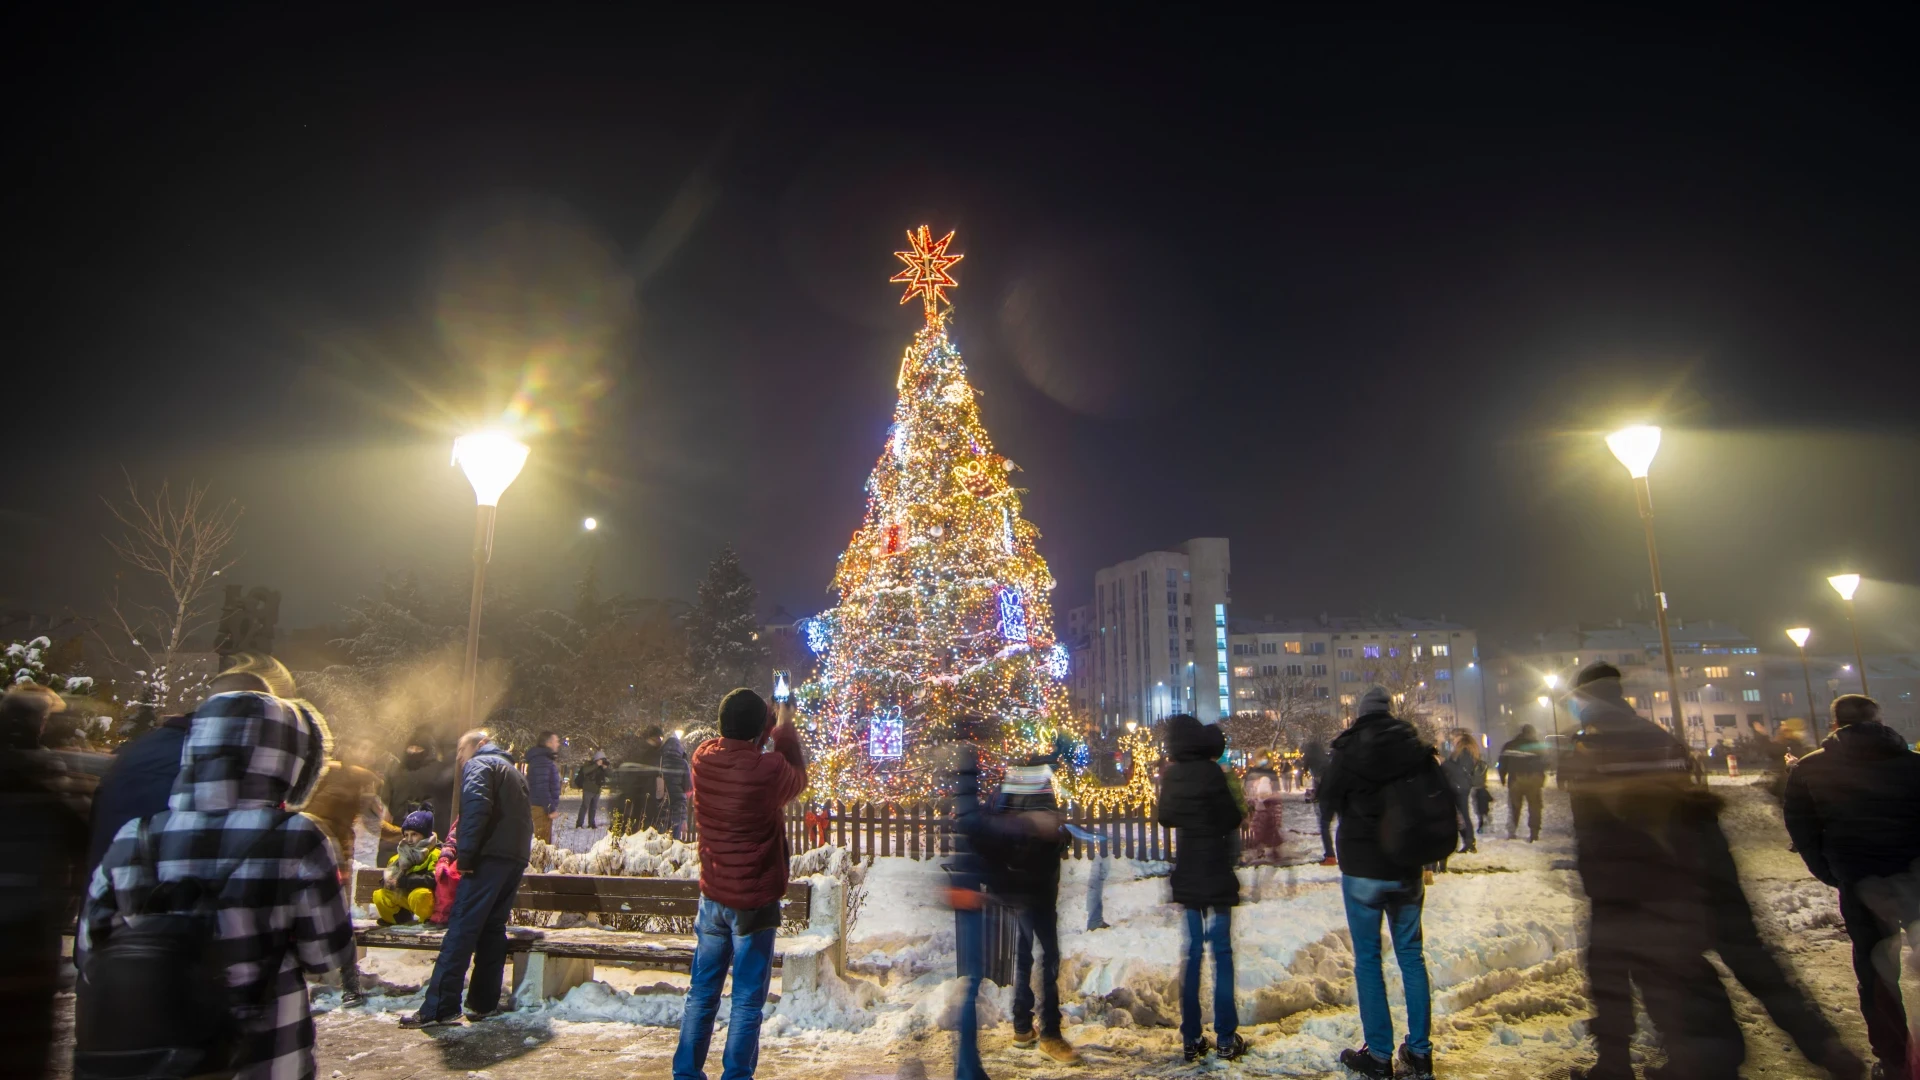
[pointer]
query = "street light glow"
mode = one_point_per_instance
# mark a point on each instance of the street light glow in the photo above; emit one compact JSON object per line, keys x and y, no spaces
{"x":1845,"y":584}
{"x":1799,"y":635}
{"x":1544,"y":700}
{"x":1553,"y":681}
{"x":491,"y":459}
{"x":1635,"y":447}
{"x":590,"y":524}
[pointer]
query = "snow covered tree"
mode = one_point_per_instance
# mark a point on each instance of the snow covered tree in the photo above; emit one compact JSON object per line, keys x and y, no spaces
{"x":944,"y":606}
{"x":724,"y":649}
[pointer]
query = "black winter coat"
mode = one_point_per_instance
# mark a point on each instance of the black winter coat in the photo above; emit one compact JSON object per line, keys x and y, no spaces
{"x":137,"y":784}
{"x":1634,"y":802}
{"x":414,"y":783}
{"x":1375,"y":751}
{"x":1853,"y":806}
{"x":1195,"y":800}
{"x":496,"y":817}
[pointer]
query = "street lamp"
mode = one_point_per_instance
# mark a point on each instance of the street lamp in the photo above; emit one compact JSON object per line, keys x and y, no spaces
{"x":491,"y":459}
{"x":1846,"y":585}
{"x":1799,"y":635}
{"x":590,"y":524}
{"x":1553,"y":683}
{"x":1635,"y":447}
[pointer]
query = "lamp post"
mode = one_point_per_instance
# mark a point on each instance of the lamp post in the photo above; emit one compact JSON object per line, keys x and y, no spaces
{"x":1846,"y":585}
{"x":491,"y":460}
{"x":1635,"y":447}
{"x":1799,"y":635}
{"x":1553,"y":684}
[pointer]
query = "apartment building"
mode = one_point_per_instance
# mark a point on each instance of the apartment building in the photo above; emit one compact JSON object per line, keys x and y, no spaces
{"x":1892,"y":680}
{"x":1333,"y":659}
{"x":1154,"y":641}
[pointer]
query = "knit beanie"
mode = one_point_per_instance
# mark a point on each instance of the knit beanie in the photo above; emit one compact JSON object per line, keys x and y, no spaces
{"x":1375,"y":701}
{"x":743,"y":715}
{"x":420,"y":821}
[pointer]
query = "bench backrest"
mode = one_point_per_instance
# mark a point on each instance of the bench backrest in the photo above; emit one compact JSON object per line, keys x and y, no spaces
{"x":611,"y":895}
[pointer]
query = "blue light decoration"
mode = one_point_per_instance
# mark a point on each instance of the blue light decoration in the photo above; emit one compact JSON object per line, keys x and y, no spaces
{"x":1057,"y":661}
{"x":887,"y":736}
{"x":1006,"y":529}
{"x":897,"y":434}
{"x":819,"y":637}
{"x":1080,"y":756}
{"x":1013,"y":616}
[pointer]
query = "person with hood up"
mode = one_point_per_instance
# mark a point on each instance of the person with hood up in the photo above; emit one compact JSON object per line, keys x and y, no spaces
{"x":1853,"y":810}
{"x":543,"y":783}
{"x":249,"y":761}
{"x":1375,"y":751}
{"x":496,"y":836}
{"x":591,"y":779}
{"x":1640,"y":852}
{"x":421,"y":779}
{"x":740,"y":799}
{"x":1523,"y":769}
{"x":1196,"y":800}
{"x":1029,"y":883}
{"x":407,"y":884}
{"x":1468,"y":775}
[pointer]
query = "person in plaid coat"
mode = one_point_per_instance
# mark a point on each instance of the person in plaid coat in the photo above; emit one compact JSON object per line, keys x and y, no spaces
{"x":249,"y":758}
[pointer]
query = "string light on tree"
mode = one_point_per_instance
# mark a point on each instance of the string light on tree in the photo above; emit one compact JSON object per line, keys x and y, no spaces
{"x":943,"y":599}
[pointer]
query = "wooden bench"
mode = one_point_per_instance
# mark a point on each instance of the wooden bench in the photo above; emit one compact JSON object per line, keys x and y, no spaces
{"x":547,"y":961}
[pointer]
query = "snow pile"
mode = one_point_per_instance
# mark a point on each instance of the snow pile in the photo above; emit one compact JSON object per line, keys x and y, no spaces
{"x":643,"y":854}
{"x":837,"y":1005}
{"x":596,"y":1002}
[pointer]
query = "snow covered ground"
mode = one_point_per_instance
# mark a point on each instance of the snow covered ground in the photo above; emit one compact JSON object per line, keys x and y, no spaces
{"x":1503,"y":934}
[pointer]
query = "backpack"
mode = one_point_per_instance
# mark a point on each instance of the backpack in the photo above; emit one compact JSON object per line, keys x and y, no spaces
{"x":1418,"y":817}
{"x":153,"y":1000}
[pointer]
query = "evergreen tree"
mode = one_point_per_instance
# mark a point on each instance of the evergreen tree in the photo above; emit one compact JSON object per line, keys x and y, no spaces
{"x":724,"y":649}
{"x":943,"y":596}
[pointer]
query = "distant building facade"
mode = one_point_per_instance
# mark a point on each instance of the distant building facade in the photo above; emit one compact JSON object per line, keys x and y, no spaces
{"x":1154,"y":642}
{"x":1333,"y":659}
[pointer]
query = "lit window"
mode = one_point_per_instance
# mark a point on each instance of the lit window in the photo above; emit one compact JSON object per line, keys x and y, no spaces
{"x":1243,"y":671}
{"x":1749,"y":695}
{"x":1786,"y":698}
{"x":1418,"y":650}
{"x":1443,"y":673}
{"x":1293,"y":647}
{"x":1661,"y":697}
{"x":1440,"y":650}
{"x":1716,"y":672}
{"x":1346,"y":701}
{"x":1370,"y":651}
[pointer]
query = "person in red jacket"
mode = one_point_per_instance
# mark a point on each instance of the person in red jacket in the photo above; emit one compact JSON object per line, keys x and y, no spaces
{"x":739,"y":796}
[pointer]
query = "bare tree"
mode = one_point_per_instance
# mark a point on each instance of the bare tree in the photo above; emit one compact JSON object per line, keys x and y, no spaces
{"x":1415,"y":689}
{"x":179,"y":545}
{"x":1285,"y":713}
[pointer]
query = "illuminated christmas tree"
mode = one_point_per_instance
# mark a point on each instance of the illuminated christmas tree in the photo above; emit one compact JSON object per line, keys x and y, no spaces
{"x":943,"y":600}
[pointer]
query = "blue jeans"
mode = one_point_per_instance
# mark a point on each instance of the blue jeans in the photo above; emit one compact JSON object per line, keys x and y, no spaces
{"x":477,"y":932}
{"x":1367,"y":899}
{"x":970,"y":961}
{"x":1203,"y":933}
{"x":718,"y":945}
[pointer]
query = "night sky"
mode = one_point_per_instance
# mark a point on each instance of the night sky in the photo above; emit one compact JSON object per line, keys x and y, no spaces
{"x":1359,"y":296}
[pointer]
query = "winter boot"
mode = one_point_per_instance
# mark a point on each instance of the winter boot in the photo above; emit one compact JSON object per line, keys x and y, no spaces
{"x":1414,"y":1066}
{"x":1023,"y":1040}
{"x":1232,"y":1049}
{"x":1059,"y":1050}
{"x":1197,"y":1049}
{"x":1363,"y":1063}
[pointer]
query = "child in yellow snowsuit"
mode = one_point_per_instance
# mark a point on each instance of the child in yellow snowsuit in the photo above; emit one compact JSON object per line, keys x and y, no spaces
{"x":408,"y":893}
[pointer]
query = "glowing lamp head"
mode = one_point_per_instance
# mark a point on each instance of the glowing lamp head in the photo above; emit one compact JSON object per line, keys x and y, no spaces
{"x":1845,"y":584}
{"x":1544,"y":700}
{"x":491,"y":459}
{"x":1799,"y":635}
{"x":590,"y":524}
{"x":1553,"y":681}
{"x":1635,"y":447}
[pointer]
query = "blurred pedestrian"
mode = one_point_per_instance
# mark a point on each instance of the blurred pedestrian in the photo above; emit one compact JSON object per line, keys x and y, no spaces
{"x":740,"y":801}
{"x":1853,"y":810}
{"x":1029,"y":884}
{"x":1371,"y":761}
{"x":590,"y":778}
{"x":1640,"y":853}
{"x":43,"y":843}
{"x":250,"y":760}
{"x":636,"y":779}
{"x":421,"y":780}
{"x":496,"y":836}
{"x":675,"y":780}
{"x":1195,"y":799}
{"x":543,"y":783}
{"x":1523,"y":769}
{"x":1467,"y":773}
{"x":137,"y":783}
{"x":977,"y":838}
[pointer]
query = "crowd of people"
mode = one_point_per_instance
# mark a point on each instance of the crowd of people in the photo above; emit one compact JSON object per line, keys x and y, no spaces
{"x":195,"y":838}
